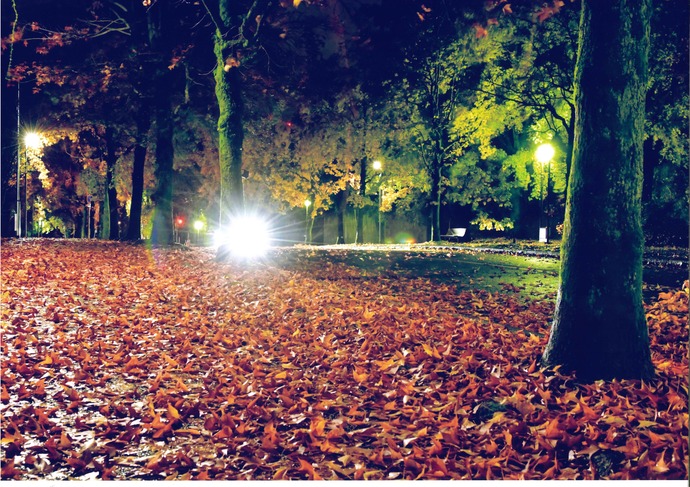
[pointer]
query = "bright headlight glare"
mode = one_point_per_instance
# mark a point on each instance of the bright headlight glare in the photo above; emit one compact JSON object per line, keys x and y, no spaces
{"x":245,"y":237}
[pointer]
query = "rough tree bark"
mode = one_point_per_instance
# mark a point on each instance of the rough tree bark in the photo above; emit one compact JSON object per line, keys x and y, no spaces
{"x":138,"y":166}
{"x":230,"y":104}
{"x":144,"y":95}
{"x":162,"y":231}
{"x":599,"y":329}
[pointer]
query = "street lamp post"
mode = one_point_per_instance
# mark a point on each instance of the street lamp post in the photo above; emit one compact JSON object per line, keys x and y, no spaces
{"x":18,"y":215}
{"x":198,"y":226}
{"x":378,"y":167}
{"x":307,"y":204}
{"x":89,"y":199}
{"x":32,"y":140}
{"x":543,"y":155}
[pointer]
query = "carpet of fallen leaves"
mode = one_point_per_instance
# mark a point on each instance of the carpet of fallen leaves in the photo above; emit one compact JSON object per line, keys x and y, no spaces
{"x":122,"y":362}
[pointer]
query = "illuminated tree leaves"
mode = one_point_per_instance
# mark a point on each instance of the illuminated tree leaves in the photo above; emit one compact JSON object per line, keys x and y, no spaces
{"x":163,"y":364}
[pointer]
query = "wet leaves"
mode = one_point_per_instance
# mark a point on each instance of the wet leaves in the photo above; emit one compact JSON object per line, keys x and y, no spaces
{"x":121,"y":362}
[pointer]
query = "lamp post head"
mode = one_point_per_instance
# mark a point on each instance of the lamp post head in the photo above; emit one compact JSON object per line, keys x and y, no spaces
{"x":33,"y":140}
{"x":307,"y":203}
{"x":377,"y":165}
{"x":544,"y":153}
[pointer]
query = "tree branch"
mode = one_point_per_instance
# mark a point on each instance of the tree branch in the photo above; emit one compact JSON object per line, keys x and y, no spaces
{"x":213,"y":19}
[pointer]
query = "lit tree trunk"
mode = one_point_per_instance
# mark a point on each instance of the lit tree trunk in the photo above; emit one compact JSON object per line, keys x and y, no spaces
{"x":567,"y":144}
{"x":599,"y":328}
{"x":110,"y":213}
{"x":435,"y":201}
{"x":230,"y":123}
{"x":318,"y":225}
{"x":359,"y":214}
{"x":162,"y":231}
{"x":359,"y":237}
{"x":570,"y":129}
{"x":341,"y":207}
{"x":138,"y":165}
{"x":143,"y":123}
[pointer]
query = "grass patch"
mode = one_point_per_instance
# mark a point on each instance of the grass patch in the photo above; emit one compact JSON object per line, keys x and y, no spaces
{"x":529,"y":277}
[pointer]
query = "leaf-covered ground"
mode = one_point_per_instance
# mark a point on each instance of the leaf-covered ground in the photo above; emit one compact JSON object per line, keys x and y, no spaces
{"x":122,"y":362}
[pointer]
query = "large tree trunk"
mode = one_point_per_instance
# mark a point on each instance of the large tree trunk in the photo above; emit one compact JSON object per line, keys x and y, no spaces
{"x":143,"y":122}
{"x":599,"y":328}
{"x":230,"y":120}
{"x":162,"y":231}
{"x":230,"y":139}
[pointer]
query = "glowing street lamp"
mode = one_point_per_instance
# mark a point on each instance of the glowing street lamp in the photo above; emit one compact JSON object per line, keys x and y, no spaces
{"x":33,"y":140}
{"x":543,"y":155}
{"x":198,"y":226}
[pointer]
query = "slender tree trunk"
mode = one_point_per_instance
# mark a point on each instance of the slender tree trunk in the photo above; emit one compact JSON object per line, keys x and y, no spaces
{"x":140,"y":38}
{"x":318,"y":224}
{"x":599,"y":329}
{"x":569,"y":150}
{"x":341,"y":208}
{"x":359,"y":238}
{"x":310,"y":228}
{"x":435,"y":206}
{"x":106,"y":216}
{"x":110,"y":213}
{"x":134,"y":227}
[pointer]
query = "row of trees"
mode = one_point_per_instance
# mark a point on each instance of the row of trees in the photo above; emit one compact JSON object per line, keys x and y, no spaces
{"x":303,"y":108}
{"x":307,"y":95}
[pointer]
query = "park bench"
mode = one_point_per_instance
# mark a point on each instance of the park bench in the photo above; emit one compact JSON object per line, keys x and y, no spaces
{"x":455,"y":234}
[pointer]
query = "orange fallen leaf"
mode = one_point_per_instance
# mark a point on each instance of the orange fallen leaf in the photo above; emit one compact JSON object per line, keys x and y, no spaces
{"x":308,"y":468}
{"x":360,"y":377}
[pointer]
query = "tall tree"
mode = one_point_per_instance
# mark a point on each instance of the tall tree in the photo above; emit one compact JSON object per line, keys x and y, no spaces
{"x":161,"y":37}
{"x":665,"y":191}
{"x":433,"y":91}
{"x":231,"y":39}
{"x":294,"y":155}
{"x":111,"y":228}
{"x":142,"y":90}
{"x":529,"y":75}
{"x":599,"y":329}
